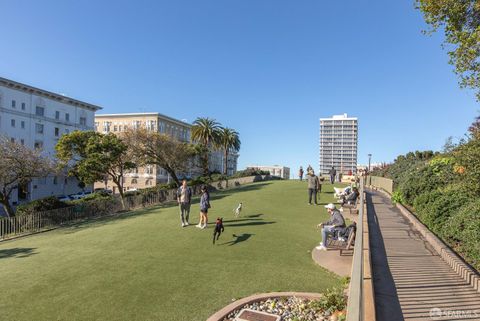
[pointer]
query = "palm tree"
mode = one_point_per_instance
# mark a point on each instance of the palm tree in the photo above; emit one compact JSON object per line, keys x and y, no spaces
{"x":205,"y":131}
{"x":229,"y":141}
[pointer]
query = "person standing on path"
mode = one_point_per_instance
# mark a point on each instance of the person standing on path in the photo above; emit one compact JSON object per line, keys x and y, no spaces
{"x":313,"y":186}
{"x":332,"y":174}
{"x":204,"y":206}
{"x":184,"y":200}
{"x":300,"y":173}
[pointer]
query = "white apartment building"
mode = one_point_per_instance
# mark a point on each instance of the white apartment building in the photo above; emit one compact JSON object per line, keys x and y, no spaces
{"x":338,"y":144}
{"x":38,"y":118}
{"x":275,"y":170}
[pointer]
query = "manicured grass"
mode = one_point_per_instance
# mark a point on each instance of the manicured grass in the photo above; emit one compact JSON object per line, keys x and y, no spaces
{"x":145,"y":266}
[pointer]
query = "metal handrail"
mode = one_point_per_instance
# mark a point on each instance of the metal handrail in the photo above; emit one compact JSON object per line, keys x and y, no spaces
{"x":355,"y":307}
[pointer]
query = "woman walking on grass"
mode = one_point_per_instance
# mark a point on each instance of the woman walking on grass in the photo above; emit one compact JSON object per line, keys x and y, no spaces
{"x":204,"y":206}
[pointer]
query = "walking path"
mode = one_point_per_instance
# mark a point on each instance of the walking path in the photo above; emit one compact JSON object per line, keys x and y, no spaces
{"x":411,"y":280}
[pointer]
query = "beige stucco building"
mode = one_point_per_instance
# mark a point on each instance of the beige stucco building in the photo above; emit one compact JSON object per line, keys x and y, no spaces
{"x":148,"y":176}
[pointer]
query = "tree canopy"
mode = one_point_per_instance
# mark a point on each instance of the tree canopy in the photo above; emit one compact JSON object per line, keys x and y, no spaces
{"x":19,"y":165}
{"x":460,"y":20}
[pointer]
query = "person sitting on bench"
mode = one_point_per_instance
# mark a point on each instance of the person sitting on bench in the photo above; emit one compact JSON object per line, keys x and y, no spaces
{"x":336,"y":222}
{"x":350,"y":198}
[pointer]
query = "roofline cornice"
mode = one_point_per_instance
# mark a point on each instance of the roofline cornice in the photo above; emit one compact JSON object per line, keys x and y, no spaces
{"x":47,"y":94}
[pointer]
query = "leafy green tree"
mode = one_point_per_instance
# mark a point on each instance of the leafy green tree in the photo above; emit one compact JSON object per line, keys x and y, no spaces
{"x":18,"y":166}
{"x":205,"y":131}
{"x":460,"y":20}
{"x":229,"y":140}
{"x":154,"y":148}
{"x":92,"y":156}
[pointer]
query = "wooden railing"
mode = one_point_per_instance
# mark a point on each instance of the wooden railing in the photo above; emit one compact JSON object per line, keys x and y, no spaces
{"x":361,"y":305}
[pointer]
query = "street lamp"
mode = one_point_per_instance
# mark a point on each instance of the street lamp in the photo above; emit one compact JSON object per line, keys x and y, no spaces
{"x":369,"y":160}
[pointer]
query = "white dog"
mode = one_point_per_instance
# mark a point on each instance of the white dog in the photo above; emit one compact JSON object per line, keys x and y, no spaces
{"x":339,"y":192}
{"x":238,"y":210}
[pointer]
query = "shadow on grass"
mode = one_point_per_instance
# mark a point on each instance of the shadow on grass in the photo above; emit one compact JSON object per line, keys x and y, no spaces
{"x":17,"y":252}
{"x":238,"y":239}
{"x":101,"y":221}
{"x":249,"y":224}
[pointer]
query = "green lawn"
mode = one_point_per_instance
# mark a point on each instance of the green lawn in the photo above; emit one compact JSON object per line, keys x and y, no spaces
{"x":145,"y":266}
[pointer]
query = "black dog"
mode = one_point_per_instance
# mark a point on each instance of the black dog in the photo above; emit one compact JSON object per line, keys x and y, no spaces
{"x":218,"y":229}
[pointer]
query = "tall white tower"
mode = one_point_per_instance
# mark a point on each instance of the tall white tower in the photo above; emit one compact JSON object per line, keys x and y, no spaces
{"x":338,"y":144}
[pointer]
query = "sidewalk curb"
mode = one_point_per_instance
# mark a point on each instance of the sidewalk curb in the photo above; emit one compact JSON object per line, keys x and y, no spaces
{"x":457,"y":264}
{"x":223,"y":313}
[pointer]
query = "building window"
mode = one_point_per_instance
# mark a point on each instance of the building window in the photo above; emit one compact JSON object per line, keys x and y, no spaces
{"x":38,"y":144}
{"x":134,"y":181}
{"x":83,"y":121}
{"x":106,"y":126}
{"x":67,"y":116}
{"x":57,"y":131}
{"x":12,"y":122}
{"x":55,"y":180}
{"x":40,"y":111}
{"x":23,"y":106}
{"x":22,"y":141}
{"x":22,"y":124}
{"x":57,"y":115}
{"x":39,"y":128}
{"x":14,"y":103}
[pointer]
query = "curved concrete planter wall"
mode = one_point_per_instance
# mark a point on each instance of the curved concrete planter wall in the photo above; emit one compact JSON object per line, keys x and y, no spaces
{"x":223,"y":313}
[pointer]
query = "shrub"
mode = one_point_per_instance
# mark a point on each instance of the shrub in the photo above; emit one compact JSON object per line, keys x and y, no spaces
{"x":333,"y":299}
{"x":40,"y":205}
{"x":93,"y":196}
{"x":397,"y":197}
{"x":462,"y":232}
{"x":436,"y":207}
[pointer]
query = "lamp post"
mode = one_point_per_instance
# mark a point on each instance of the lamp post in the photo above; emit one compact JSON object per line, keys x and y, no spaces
{"x":369,"y":160}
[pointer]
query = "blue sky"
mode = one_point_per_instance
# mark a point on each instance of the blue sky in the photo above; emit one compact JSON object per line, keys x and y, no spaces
{"x":268,"y":68}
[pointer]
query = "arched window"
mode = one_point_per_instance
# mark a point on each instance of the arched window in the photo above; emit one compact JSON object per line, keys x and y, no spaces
{"x":134,"y":181}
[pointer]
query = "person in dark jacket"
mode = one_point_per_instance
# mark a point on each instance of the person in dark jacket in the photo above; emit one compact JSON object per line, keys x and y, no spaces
{"x":204,"y":206}
{"x":184,"y":200}
{"x":332,"y":174}
{"x":300,"y":173}
{"x":350,"y":198}
{"x":336,"y":222}
{"x":313,"y":187}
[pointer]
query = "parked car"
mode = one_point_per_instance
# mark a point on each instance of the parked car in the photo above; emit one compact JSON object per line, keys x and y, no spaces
{"x":80,"y":195}
{"x":64,"y":198}
{"x":103,"y":191}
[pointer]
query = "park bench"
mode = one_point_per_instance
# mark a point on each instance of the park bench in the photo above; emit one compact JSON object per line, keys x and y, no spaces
{"x":353,"y":208}
{"x":336,"y":244}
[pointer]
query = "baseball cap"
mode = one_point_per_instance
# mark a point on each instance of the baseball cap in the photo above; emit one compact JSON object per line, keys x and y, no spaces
{"x":330,"y":206}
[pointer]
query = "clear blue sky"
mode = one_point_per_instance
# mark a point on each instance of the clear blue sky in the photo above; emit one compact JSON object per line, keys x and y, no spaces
{"x":268,"y":68}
